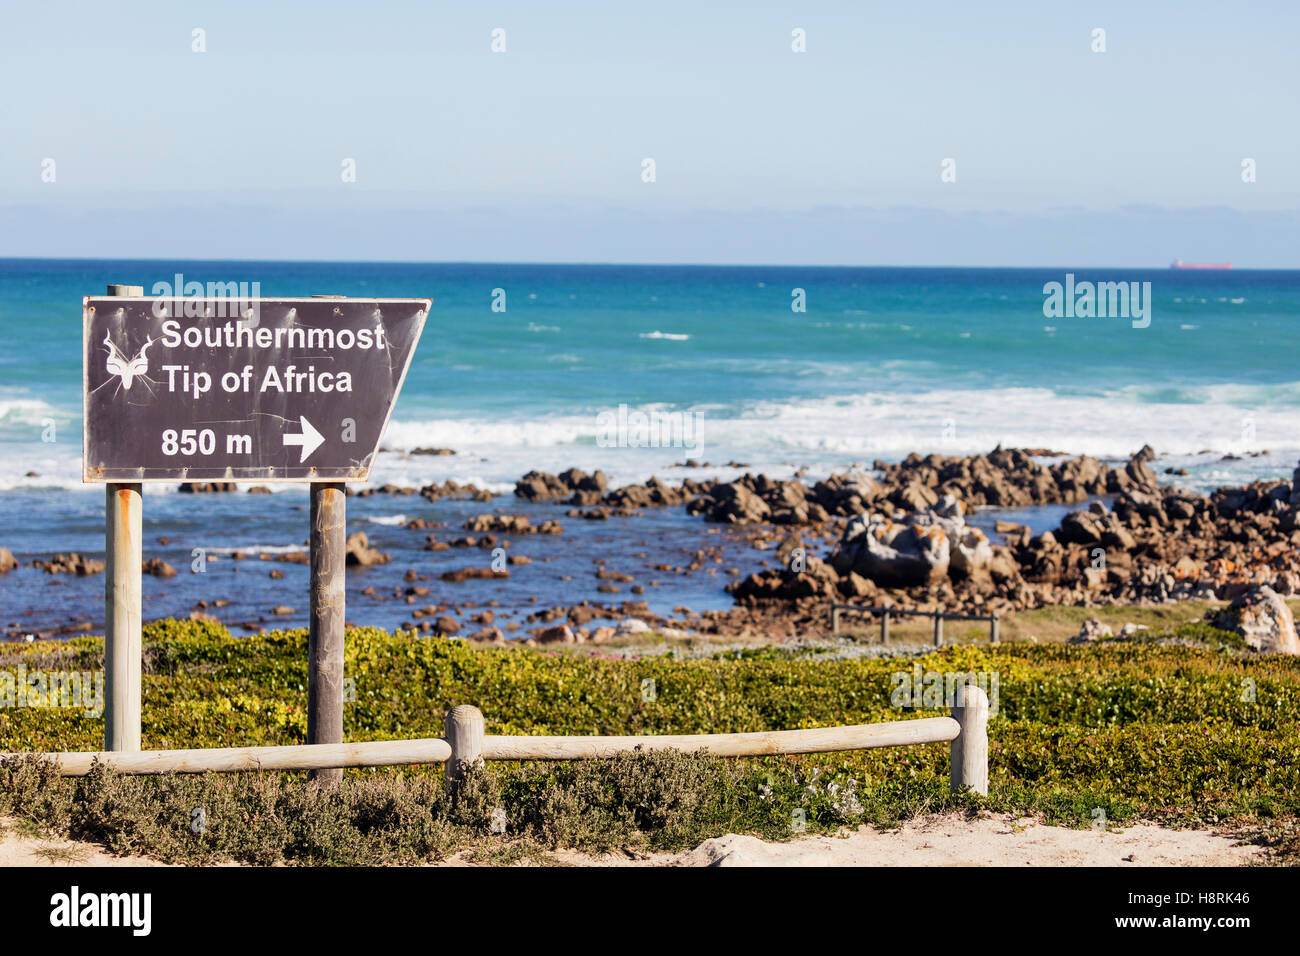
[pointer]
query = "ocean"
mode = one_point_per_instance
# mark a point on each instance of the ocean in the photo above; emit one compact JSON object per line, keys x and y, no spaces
{"x":880,"y":362}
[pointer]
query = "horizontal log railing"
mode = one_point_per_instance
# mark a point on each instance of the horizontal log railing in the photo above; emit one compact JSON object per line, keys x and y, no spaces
{"x":380,"y":753}
{"x":885,"y":612}
{"x":466,"y":745}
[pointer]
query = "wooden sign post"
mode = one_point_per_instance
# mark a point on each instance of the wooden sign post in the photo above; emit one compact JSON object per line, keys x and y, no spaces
{"x":225,"y":389}
{"x":325,"y":629}
{"x":123,"y":558}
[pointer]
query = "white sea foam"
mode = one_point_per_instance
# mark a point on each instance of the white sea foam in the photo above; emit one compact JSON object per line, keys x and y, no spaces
{"x":825,"y":434}
{"x":25,"y":416}
{"x":670,"y":336}
{"x":260,"y":549}
{"x":1188,"y":424}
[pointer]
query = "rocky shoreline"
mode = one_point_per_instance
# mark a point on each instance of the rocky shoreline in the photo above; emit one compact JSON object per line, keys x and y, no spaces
{"x":898,"y":533}
{"x":903,"y":533}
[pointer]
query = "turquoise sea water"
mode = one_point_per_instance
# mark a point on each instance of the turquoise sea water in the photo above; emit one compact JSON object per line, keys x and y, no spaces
{"x":884,"y":361}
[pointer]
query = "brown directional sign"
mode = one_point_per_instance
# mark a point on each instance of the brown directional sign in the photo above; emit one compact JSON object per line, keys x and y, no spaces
{"x":223,"y":389}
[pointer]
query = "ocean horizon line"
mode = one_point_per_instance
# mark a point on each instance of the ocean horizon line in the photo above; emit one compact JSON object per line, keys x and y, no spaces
{"x":623,"y":265}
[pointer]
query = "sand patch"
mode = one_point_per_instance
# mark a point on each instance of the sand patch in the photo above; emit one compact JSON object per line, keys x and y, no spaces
{"x":951,"y":840}
{"x":21,"y":847}
{"x":938,"y":840}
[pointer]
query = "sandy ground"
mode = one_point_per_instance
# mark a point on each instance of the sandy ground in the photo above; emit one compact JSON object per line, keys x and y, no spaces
{"x":990,"y":840}
{"x":20,"y":848}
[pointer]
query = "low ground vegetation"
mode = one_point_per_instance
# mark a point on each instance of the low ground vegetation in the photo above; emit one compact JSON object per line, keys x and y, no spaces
{"x":1180,"y":727}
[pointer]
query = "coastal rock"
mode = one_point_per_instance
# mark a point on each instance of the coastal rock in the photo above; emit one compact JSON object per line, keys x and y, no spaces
{"x":503,"y":524}
{"x":1091,"y":630}
{"x":788,"y":548}
{"x":158,"y":568}
{"x":1137,"y":473}
{"x":360,"y":553}
{"x":1002,"y":567}
{"x":1116,"y":537}
{"x":7,"y":562}
{"x":817,"y":580}
{"x":541,"y":486}
{"x":734,"y":503}
{"x":1264,"y":619}
{"x":601,"y":513}
{"x":971,"y":554}
{"x":893,"y":554}
{"x":73,"y":563}
{"x":1180,"y":506}
{"x":205,"y":487}
{"x":460,"y":575}
{"x":560,"y":634}
{"x":1080,"y":477}
{"x":847,"y":495}
{"x":854,"y":586}
{"x":915,"y":497}
{"x":1081,"y":527}
{"x":580,"y":481}
{"x":433,"y":492}
{"x":653,"y":494}
{"x":446,"y":626}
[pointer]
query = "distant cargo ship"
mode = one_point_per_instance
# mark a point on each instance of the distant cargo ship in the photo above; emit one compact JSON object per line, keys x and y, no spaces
{"x":1180,"y":264}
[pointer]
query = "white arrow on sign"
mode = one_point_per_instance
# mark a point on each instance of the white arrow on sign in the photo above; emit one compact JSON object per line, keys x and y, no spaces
{"x":310,"y":439}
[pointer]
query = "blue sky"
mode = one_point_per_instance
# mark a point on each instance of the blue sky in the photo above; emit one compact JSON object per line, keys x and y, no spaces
{"x":1063,"y":156}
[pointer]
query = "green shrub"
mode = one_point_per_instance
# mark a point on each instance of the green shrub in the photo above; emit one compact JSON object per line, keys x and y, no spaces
{"x":1179,"y":734}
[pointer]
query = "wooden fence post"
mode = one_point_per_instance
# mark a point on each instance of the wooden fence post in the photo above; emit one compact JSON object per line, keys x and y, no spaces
{"x":994,"y":635}
{"x":884,"y":626}
{"x":464,"y":731}
{"x":124,"y":556}
{"x":969,"y":750}
{"x":326,"y":615}
{"x":835,"y":618}
{"x":938,"y":629}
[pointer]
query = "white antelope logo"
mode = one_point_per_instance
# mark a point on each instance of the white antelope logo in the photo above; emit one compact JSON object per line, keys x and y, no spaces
{"x":119,"y":365}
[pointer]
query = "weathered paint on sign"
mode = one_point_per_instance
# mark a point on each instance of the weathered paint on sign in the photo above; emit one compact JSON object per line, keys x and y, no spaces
{"x":195,"y":389}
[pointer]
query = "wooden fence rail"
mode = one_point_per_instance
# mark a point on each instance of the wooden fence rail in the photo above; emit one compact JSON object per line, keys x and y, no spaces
{"x":885,"y":612}
{"x":465,"y":745}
